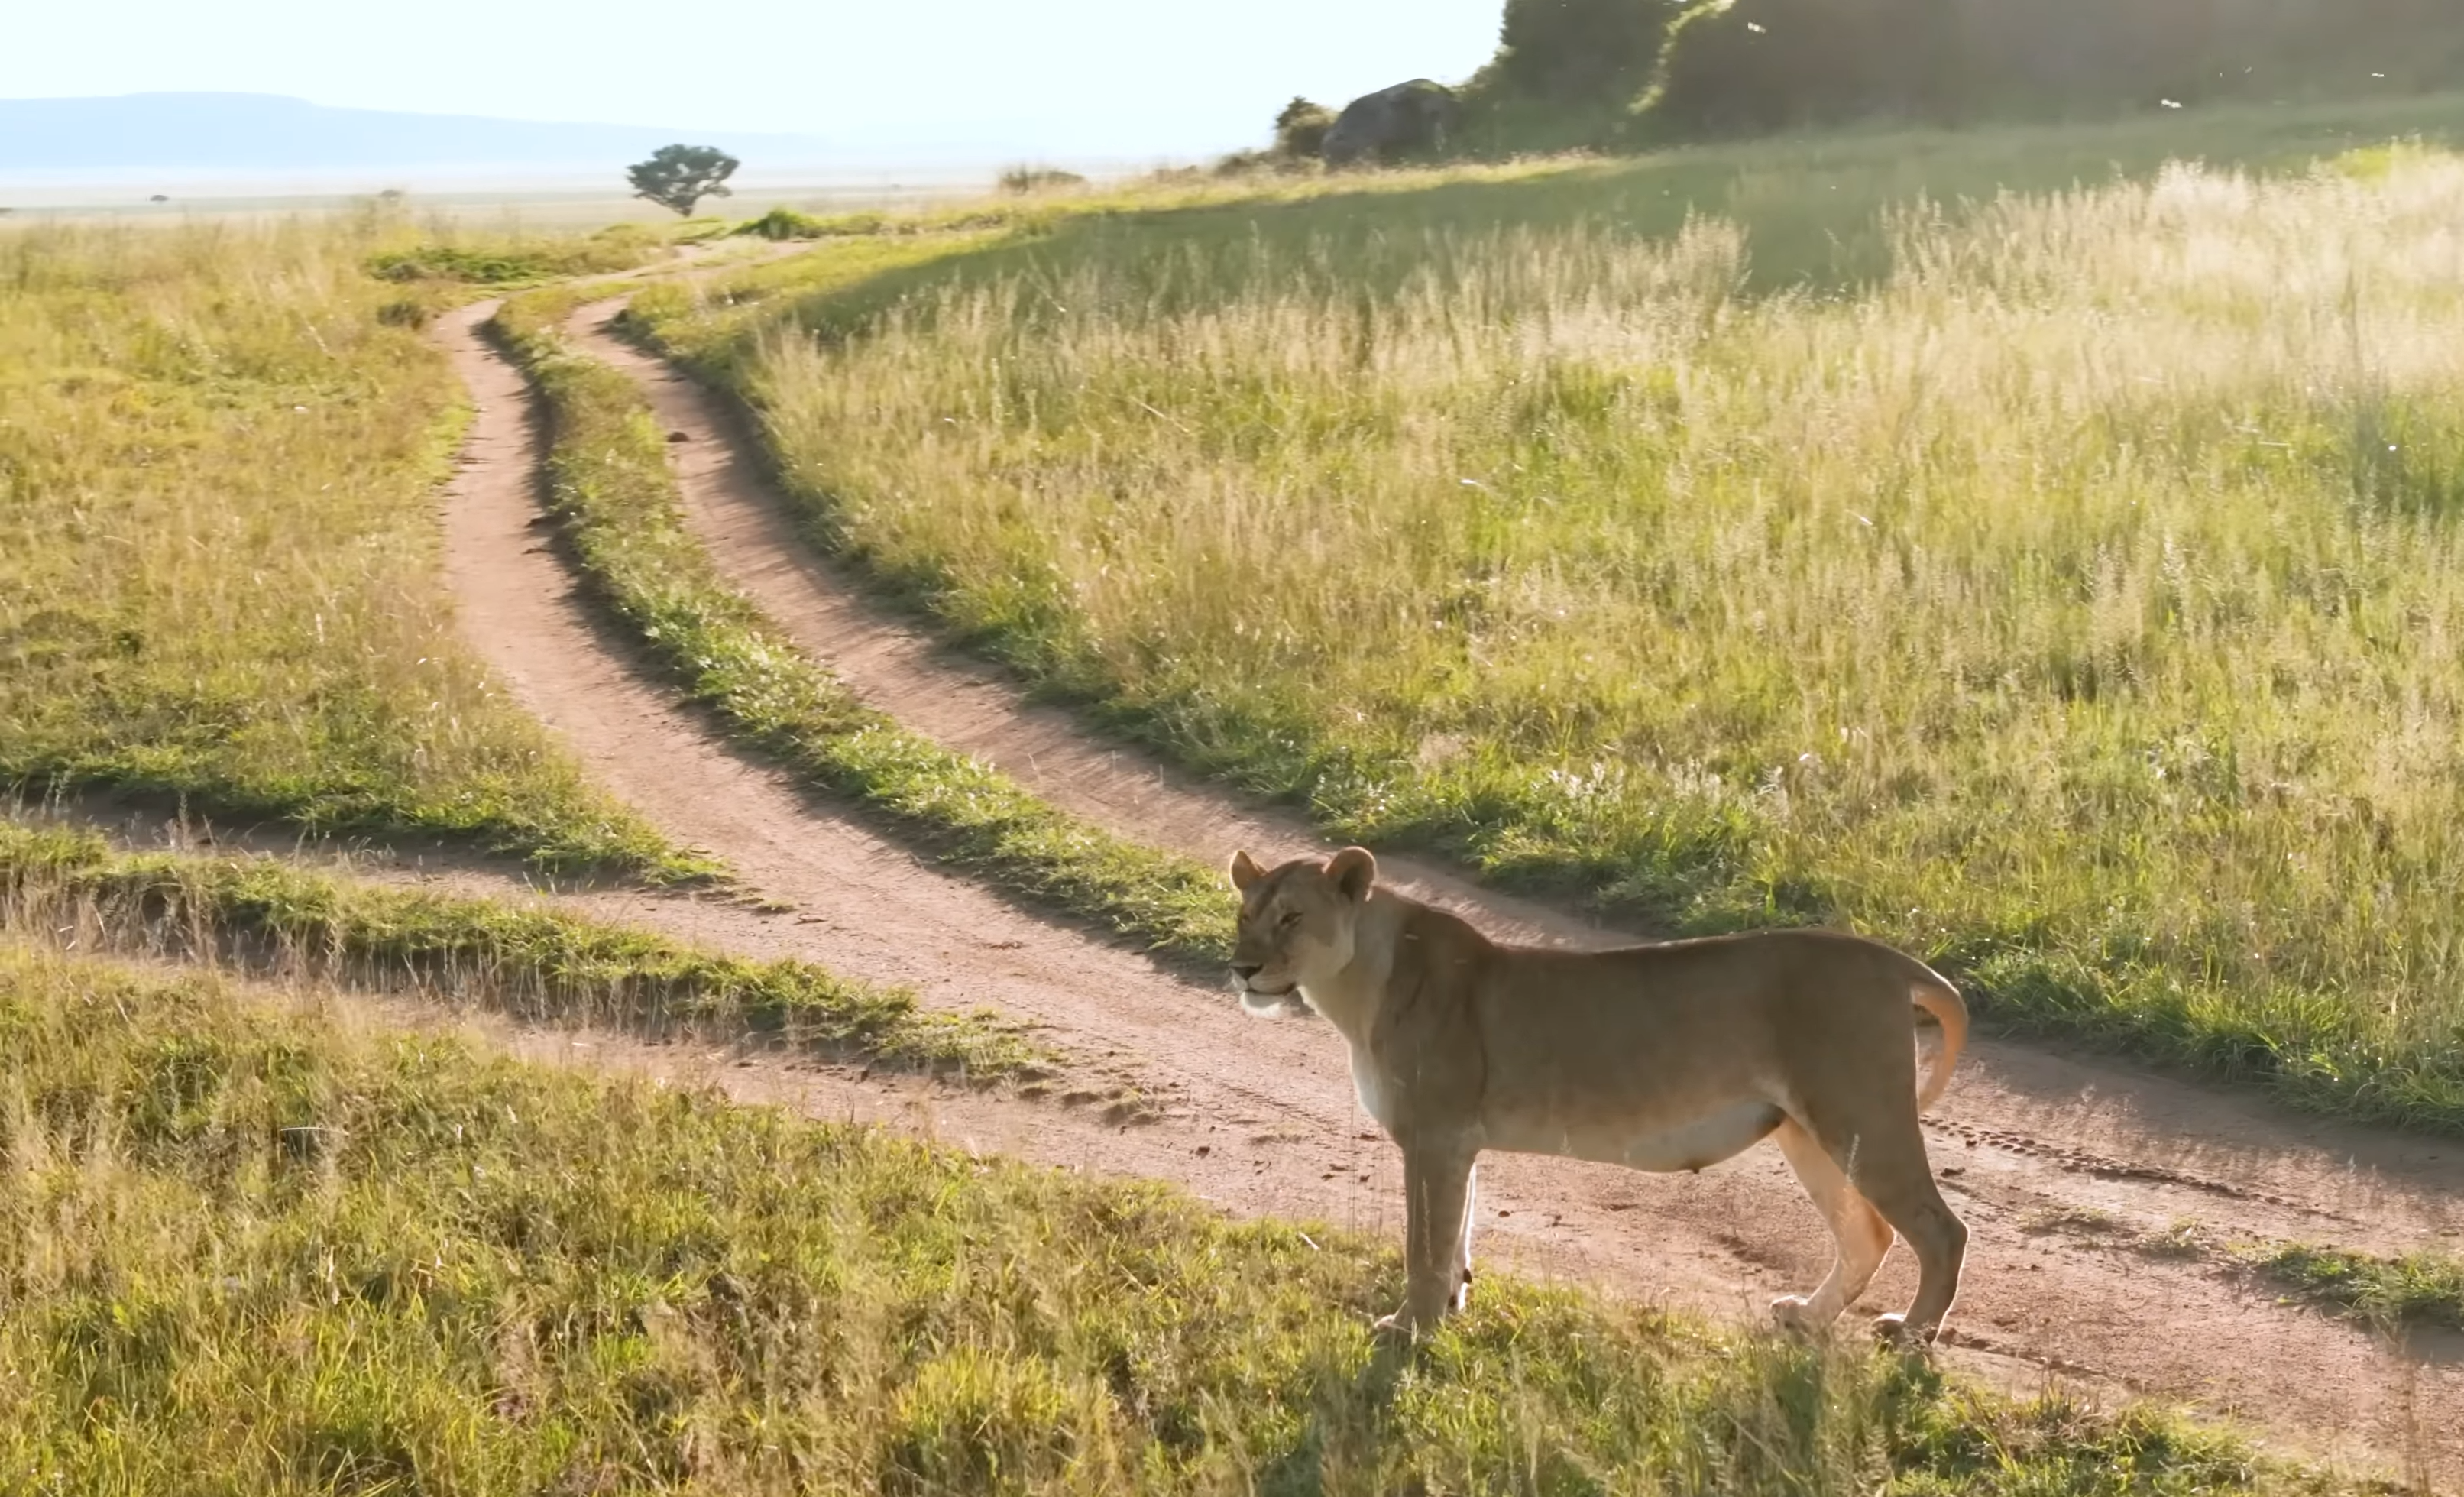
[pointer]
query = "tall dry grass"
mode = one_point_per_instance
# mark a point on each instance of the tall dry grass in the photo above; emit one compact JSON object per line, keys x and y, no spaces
{"x":2075,"y":603}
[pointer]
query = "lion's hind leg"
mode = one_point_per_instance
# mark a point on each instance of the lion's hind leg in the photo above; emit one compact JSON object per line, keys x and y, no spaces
{"x":1888,"y":1167}
{"x":1862,"y":1237}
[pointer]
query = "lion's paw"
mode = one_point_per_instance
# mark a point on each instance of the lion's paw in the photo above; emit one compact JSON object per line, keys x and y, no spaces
{"x":1894,"y":1331}
{"x":1791,"y":1312}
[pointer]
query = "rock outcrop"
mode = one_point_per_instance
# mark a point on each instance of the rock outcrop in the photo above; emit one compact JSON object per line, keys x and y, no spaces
{"x":1393,"y":122}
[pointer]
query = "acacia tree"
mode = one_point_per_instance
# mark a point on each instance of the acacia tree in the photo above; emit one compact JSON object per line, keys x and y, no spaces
{"x":679,"y":176}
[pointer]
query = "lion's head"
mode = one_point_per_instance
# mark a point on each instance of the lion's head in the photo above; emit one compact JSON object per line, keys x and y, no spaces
{"x":1296,"y":926}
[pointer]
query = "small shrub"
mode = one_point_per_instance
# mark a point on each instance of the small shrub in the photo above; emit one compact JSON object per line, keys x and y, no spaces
{"x":786,"y":223}
{"x":1242,"y":164}
{"x":1300,"y":128}
{"x":781,"y":223}
{"x":1039,"y":179}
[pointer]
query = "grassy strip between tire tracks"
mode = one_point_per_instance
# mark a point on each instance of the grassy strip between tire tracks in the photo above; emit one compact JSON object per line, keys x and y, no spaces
{"x":534,"y":963}
{"x":248,"y":1247}
{"x":612,"y":486}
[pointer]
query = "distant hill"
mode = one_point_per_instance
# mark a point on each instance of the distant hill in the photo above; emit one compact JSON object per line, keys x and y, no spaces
{"x":266,"y":133}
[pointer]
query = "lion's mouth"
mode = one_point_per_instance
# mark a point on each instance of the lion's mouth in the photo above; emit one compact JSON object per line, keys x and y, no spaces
{"x":1285,"y":1000}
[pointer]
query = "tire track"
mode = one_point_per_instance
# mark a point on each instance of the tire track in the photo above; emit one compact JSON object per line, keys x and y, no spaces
{"x":752,"y":536}
{"x":1258,"y":1116}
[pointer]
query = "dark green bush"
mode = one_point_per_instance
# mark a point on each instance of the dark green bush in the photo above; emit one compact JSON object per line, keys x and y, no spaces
{"x":1300,"y":128}
{"x":1582,"y":50}
{"x":786,"y":223}
{"x":1740,"y":65}
{"x":1039,"y":179}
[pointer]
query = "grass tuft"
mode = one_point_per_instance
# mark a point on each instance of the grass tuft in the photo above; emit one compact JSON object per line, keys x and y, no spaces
{"x":2419,"y":1288}
{"x":2422,"y":1288}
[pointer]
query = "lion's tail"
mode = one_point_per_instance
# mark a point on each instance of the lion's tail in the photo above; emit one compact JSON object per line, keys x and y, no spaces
{"x":1938,"y":997}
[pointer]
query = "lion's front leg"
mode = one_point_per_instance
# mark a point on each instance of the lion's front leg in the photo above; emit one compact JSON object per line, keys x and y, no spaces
{"x":1437,"y":1200}
{"x":1463,"y":1254}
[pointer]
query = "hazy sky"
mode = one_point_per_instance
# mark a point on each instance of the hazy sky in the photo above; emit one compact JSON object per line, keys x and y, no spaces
{"x":1138,"y":76}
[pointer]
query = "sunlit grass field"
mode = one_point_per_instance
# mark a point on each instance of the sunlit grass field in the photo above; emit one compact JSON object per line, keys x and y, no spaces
{"x":2057,"y":587}
{"x":249,"y":1245}
{"x":2059,"y":583}
{"x":221,"y":451}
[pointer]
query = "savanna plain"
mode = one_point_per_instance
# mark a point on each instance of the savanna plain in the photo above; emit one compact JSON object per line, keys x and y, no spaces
{"x":2033,"y":547}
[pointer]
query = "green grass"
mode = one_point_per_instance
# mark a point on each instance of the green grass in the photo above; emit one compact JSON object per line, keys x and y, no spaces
{"x":2057,"y":584}
{"x":2420,"y":1289}
{"x":612,"y":486}
{"x":534,"y":963}
{"x":219,"y":575}
{"x":2424,"y":1289}
{"x":492,"y":261}
{"x":1813,"y":205}
{"x":248,"y":1247}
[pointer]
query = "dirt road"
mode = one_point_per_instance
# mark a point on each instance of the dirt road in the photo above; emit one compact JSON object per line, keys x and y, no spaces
{"x":2077,"y":1175}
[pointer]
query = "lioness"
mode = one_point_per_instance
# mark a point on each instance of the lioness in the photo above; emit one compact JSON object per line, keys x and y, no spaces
{"x":1663,"y":1057}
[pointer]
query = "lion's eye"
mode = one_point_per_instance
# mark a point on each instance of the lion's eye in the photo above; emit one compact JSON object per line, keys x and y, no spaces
{"x":1291,"y":918}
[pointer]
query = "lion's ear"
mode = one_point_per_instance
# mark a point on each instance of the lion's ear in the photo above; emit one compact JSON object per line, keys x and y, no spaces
{"x":1245,"y":871}
{"x":1354,"y":870}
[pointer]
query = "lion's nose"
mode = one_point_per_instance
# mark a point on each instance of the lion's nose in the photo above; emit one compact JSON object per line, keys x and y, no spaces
{"x":1245,"y":971}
